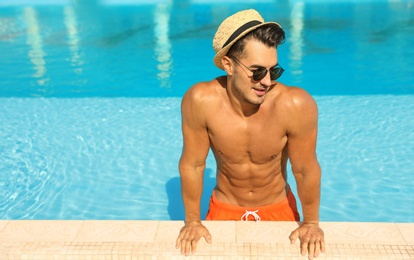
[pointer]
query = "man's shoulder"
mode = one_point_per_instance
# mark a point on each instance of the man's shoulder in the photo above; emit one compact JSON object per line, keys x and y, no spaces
{"x":200,"y":100}
{"x":204,"y":90}
{"x":294,"y":96}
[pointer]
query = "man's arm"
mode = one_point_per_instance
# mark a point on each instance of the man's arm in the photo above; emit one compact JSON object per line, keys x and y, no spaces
{"x":196,"y":144}
{"x":302,"y":135}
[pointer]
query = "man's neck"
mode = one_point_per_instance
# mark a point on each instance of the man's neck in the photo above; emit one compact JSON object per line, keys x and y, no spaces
{"x":240,"y":105}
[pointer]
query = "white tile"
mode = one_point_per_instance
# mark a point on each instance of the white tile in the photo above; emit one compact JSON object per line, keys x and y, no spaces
{"x":40,"y":230}
{"x":265,"y":231}
{"x":3,"y":223}
{"x":117,"y":231}
{"x":362,"y":233}
{"x":168,"y":231}
{"x":407,"y":231}
{"x":221,"y":231}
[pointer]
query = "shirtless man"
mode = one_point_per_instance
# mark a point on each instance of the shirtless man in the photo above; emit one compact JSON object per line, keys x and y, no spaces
{"x":253,"y":125}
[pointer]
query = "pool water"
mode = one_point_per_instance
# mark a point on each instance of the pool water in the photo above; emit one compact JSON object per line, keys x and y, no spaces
{"x":90,"y":103}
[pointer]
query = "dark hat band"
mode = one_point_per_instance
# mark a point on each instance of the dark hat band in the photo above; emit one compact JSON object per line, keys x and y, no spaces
{"x":241,"y":29}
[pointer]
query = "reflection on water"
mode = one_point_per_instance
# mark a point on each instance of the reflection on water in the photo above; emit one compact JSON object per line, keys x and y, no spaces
{"x":73,"y":38}
{"x":133,"y":2}
{"x":34,"y":39}
{"x":163,"y":45}
{"x":31,"y":2}
{"x":126,"y":48}
{"x":296,"y":38}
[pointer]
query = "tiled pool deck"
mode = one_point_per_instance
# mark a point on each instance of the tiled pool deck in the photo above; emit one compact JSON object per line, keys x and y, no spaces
{"x":99,"y":239}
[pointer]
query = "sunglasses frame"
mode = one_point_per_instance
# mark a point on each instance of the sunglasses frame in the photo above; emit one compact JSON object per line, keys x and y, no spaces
{"x":259,"y":70}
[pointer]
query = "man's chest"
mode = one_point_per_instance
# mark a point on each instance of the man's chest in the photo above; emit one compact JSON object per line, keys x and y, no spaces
{"x":254,"y":140}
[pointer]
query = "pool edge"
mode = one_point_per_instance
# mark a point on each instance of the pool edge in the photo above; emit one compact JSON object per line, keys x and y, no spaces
{"x":137,"y":239}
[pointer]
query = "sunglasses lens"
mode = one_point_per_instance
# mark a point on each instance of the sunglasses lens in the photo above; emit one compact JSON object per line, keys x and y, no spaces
{"x":275,"y":73}
{"x":259,"y":74}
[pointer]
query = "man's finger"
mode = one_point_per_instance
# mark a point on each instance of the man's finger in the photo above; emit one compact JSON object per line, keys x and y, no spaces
{"x":304,"y":248}
{"x":317,"y":249}
{"x":293,"y":236}
{"x":187,"y":246}
{"x":207,"y":237}
{"x":193,"y":246}
{"x":178,"y":242}
{"x":311,"y":249}
{"x":323,"y":246}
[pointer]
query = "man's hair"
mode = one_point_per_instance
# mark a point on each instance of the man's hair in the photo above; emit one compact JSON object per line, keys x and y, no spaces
{"x":271,"y":35}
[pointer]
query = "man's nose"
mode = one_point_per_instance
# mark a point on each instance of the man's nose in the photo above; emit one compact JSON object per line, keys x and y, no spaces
{"x":266,"y":81}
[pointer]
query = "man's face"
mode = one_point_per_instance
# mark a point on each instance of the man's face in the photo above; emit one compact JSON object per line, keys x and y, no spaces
{"x":256,"y":55}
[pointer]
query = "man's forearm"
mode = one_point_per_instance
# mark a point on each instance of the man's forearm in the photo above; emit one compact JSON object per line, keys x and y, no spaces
{"x":191,"y":190}
{"x":310,"y":211}
{"x":191,"y":206}
{"x":309,"y":189}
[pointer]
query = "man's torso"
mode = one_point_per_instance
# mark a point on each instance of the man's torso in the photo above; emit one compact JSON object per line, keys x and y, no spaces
{"x":249,"y":150}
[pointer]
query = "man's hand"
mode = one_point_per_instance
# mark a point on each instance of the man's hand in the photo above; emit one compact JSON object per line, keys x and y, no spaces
{"x":311,"y":238}
{"x":189,"y":236}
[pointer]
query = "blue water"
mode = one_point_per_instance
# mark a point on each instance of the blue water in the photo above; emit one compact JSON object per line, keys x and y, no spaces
{"x":98,"y":49}
{"x":90,"y":103}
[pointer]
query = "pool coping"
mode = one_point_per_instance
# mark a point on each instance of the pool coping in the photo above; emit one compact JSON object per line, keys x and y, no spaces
{"x":153,"y":239}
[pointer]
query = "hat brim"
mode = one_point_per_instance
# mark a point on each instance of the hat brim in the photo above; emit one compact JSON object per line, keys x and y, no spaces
{"x":223,"y":51}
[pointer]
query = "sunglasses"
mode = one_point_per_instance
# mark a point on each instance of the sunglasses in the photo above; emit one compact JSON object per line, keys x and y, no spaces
{"x":260,"y":72}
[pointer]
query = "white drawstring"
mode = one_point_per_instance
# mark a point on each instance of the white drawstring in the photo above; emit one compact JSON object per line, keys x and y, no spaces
{"x":252,"y":213}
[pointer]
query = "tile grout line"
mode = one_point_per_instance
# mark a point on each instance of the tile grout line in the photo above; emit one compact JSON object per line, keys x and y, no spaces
{"x":75,"y":237}
{"x":402,"y":234}
{"x":157,"y":232}
{"x":5,"y":225}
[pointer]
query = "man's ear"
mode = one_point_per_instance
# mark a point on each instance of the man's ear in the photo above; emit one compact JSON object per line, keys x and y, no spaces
{"x":227,"y":65}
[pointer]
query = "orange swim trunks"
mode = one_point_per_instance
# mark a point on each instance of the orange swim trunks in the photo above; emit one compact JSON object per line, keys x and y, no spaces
{"x":285,"y":210}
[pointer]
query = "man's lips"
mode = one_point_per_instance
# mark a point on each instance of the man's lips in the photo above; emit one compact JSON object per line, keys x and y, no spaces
{"x":260,"y":91}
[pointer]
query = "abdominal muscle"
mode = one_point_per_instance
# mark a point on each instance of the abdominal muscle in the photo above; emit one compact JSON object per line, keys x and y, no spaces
{"x":251,"y":185}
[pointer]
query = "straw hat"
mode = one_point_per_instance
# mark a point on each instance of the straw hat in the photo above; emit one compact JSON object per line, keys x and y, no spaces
{"x":233,"y":28}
